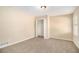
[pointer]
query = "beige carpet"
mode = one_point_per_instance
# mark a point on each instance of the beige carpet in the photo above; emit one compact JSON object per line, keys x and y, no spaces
{"x":40,"y":45}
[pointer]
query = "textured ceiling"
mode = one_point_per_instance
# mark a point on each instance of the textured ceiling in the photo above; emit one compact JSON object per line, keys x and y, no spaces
{"x":50,"y":10}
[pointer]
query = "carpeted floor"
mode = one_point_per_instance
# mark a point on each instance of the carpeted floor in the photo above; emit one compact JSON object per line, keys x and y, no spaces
{"x":40,"y":45}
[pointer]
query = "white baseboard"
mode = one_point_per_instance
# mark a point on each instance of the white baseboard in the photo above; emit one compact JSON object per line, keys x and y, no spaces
{"x":76,"y":43}
{"x":62,"y":39}
{"x":9,"y":44}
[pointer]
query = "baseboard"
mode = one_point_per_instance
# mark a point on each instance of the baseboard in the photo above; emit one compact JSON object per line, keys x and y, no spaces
{"x":9,"y":44}
{"x":61,"y":38}
{"x":76,"y":43}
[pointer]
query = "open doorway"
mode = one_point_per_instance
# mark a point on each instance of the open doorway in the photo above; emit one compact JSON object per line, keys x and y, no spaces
{"x":40,"y":28}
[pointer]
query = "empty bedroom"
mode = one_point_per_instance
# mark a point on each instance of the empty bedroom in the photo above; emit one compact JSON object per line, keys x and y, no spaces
{"x":39,"y":29}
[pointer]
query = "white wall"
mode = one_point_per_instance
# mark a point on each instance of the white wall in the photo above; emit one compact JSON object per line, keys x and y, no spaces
{"x":61,"y":27}
{"x":15,"y":25}
{"x":76,"y":27}
{"x":47,"y":27}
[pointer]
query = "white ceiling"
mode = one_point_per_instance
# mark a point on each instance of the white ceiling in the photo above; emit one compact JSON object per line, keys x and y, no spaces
{"x":51,"y":10}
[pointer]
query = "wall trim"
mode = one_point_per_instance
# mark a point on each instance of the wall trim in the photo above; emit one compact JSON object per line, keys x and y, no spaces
{"x":9,"y":44}
{"x":61,"y":38}
{"x":76,"y":43}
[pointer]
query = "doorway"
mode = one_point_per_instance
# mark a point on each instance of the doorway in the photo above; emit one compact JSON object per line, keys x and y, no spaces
{"x":40,"y":28}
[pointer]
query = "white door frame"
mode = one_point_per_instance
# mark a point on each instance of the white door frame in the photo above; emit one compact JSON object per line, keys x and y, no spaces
{"x":45,"y":20}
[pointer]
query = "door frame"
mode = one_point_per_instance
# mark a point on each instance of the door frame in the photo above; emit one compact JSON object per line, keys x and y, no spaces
{"x":36,"y":21}
{"x":45,"y":20}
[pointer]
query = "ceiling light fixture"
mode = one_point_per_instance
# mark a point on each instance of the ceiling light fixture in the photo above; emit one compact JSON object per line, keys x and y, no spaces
{"x":43,"y":7}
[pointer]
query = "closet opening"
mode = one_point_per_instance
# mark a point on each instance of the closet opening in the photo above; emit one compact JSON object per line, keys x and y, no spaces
{"x":40,"y":28}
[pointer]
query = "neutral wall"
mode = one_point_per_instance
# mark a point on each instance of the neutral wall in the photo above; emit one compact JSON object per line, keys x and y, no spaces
{"x":15,"y":25}
{"x":61,"y":27}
